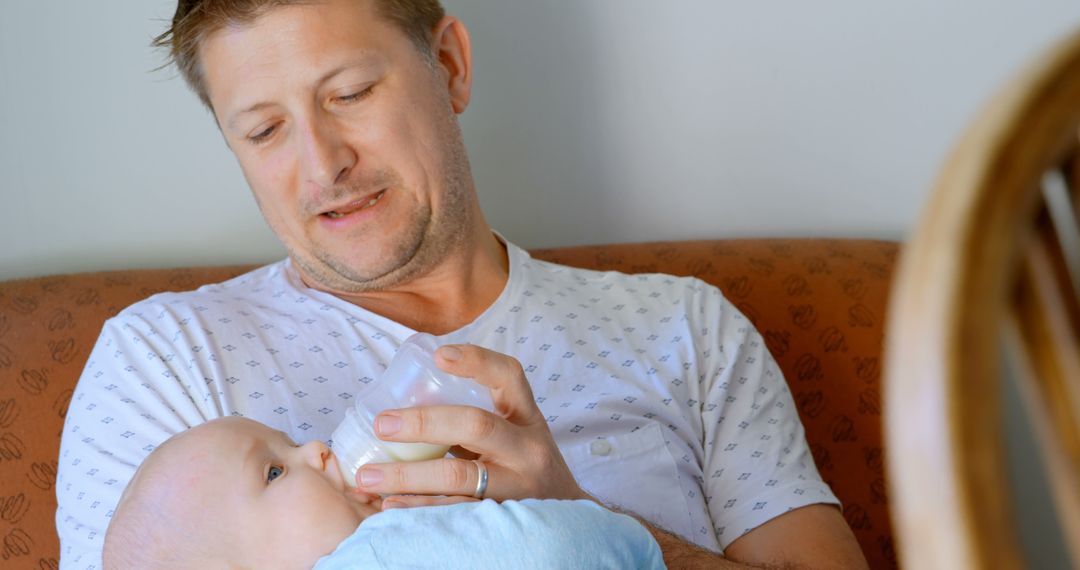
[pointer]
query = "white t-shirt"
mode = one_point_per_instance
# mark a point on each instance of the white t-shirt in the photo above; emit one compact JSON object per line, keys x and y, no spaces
{"x":662,"y":397}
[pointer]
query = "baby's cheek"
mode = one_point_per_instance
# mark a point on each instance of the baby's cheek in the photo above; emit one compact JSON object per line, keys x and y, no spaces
{"x":330,"y":519}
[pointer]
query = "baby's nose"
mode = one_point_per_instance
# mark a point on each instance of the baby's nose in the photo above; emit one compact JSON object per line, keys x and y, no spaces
{"x":315,"y":454}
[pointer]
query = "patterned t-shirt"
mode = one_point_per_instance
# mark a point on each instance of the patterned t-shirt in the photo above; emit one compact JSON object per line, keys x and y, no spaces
{"x":661,"y":396}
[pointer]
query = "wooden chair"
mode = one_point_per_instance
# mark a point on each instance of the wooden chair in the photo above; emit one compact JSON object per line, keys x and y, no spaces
{"x":995,"y":262}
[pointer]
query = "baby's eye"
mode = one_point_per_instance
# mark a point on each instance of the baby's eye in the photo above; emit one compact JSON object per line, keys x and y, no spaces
{"x":274,"y":473}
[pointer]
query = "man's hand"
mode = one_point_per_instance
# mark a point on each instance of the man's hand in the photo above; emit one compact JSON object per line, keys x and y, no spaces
{"x":514,"y":443}
{"x":524,"y":462}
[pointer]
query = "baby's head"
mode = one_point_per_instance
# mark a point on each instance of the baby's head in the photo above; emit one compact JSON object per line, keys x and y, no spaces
{"x":233,"y":493}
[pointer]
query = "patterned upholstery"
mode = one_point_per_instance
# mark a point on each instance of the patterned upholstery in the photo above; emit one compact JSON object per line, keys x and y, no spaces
{"x":818,"y":303}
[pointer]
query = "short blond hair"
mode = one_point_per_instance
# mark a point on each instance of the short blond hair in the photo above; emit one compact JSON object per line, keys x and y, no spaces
{"x":195,"y":20}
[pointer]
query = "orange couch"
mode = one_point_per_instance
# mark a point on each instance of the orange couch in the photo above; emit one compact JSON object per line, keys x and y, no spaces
{"x":819,"y":304}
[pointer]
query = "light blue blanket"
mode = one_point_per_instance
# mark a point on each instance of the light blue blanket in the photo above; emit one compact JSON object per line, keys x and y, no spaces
{"x":533,"y":534}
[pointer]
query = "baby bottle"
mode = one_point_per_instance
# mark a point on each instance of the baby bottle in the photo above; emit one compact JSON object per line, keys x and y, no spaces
{"x":412,"y":379}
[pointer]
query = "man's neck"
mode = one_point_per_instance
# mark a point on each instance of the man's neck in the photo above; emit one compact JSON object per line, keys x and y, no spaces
{"x":450,"y":296}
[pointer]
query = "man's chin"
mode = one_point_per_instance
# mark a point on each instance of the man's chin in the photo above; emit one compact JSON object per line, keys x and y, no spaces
{"x":397,"y":262}
{"x":355,"y":276}
{"x":338,"y":280}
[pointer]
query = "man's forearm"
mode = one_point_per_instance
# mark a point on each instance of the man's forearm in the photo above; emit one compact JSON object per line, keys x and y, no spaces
{"x":814,"y":536}
{"x":679,"y":553}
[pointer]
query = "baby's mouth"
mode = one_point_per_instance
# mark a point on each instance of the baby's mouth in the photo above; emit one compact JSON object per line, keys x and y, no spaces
{"x":354,"y":206}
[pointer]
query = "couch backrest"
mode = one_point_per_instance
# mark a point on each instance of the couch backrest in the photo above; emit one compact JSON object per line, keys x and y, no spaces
{"x":818,"y":303}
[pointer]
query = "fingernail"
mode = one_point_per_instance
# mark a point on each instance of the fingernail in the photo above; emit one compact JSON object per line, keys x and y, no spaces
{"x":387,"y":424}
{"x":451,"y":353}
{"x":391,"y":504}
{"x":369,"y":477}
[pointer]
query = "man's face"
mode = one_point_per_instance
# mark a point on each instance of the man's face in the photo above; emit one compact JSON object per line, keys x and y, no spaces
{"x":348,"y":138}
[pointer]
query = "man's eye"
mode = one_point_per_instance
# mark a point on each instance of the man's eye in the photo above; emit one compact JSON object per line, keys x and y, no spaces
{"x":274,"y":473}
{"x":354,"y":97}
{"x":262,"y":135}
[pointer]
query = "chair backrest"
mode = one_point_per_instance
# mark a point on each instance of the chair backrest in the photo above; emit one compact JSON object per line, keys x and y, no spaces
{"x":994,"y":262}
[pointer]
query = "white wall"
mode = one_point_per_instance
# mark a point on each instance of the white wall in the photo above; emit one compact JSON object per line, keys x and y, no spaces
{"x":593,"y":121}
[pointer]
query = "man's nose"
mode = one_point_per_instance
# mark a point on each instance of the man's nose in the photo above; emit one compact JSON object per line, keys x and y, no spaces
{"x":326,"y":155}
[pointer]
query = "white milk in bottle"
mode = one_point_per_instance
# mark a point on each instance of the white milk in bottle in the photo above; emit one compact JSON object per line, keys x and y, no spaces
{"x":412,"y":379}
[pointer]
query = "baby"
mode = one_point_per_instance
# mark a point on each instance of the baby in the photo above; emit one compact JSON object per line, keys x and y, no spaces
{"x":234,"y":493}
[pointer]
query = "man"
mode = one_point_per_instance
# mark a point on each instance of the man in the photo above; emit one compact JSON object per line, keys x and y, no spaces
{"x":651,"y":394}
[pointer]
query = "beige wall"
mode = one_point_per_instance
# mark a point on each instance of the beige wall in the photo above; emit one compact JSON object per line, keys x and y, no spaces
{"x":599,"y":121}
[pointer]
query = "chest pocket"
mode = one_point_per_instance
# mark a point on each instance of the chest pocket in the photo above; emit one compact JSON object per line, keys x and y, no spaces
{"x":633,"y":472}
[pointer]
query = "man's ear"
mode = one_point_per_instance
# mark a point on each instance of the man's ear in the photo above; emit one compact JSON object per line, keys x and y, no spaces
{"x":450,"y":44}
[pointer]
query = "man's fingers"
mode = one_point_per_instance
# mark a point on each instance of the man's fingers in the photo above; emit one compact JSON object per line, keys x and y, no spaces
{"x":502,"y":374}
{"x":514,"y":444}
{"x":461,"y":452}
{"x":436,"y":477}
{"x":482,"y":431}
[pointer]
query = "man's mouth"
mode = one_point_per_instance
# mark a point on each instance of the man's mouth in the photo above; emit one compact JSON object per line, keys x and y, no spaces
{"x":354,"y":206}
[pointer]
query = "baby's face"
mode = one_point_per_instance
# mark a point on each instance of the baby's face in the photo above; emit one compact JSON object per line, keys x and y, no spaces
{"x":284,"y":505}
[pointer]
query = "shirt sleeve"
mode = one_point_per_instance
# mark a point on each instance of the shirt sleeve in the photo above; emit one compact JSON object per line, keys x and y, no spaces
{"x":757,"y":462}
{"x":133,"y":394}
{"x":512,"y":535}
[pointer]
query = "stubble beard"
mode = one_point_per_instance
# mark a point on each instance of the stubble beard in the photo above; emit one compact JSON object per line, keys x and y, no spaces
{"x":428,"y":239}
